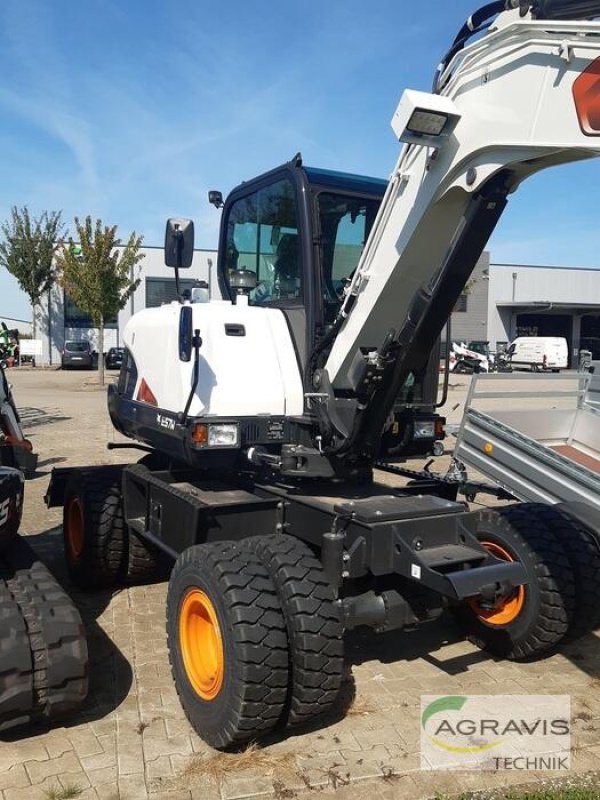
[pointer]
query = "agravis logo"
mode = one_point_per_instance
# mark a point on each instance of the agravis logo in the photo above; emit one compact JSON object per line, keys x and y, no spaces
{"x":495,"y":732}
{"x":446,"y":727}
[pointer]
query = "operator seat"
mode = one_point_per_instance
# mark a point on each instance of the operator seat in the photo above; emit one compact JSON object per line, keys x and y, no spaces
{"x":287,"y":268}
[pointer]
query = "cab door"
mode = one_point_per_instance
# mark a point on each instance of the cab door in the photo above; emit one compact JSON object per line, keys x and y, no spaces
{"x":264,"y":231}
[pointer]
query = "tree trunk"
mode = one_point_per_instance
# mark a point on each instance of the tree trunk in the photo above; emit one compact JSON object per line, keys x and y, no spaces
{"x":33,"y":330}
{"x":101,"y":353}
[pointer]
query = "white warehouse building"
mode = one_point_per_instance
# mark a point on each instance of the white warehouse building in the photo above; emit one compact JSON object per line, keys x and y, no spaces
{"x":502,"y":301}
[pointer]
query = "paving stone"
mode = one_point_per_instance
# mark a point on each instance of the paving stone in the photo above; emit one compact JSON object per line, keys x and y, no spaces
{"x":14,"y":778}
{"x":39,"y":770}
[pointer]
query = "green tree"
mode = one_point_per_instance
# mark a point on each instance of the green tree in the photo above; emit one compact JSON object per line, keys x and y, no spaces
{"x":98,"y":273}
{"x":28,"y":249}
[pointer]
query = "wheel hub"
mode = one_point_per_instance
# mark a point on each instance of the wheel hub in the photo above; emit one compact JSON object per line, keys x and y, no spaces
{"x":201,"y":644}
{"x":75,"y":528}
{"x":506,"y":604}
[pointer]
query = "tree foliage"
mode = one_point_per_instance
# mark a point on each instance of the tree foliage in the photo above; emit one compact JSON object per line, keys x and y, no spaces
{"x":28,"y":248}
{"x":99,"y":273}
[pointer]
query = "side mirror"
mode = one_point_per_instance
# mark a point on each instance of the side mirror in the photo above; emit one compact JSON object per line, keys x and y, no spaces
{"x":179,"y":243}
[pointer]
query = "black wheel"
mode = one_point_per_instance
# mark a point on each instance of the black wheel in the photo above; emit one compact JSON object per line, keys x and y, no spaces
{"x":314,"y":628}
{"x":11,"y":505}
{"x":583,"y":551}
{"x":16,"y":671}
{"x":94,"y":530}
{"x":45,"y":676}
{"x":227,"y":644}
{"x":532,"y":618}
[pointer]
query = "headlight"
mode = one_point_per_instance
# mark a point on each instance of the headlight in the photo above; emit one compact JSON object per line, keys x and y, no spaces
{"x":209,"y":435}
{"x":222,"y":435}
{"x":424,"y":430}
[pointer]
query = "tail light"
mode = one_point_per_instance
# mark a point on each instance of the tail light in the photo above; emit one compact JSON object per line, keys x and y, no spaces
{"x":440,"y":430}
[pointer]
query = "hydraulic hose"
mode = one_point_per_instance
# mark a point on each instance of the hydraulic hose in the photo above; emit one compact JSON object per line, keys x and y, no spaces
{"x":473,"y":25}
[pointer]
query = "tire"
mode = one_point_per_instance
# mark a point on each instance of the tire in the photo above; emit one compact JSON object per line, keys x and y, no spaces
{"x":45,"y":676}
{"x":94,"y":530}
{"x":16,"y":670}
{"x":535,"y":617}
{"x":11,"y":506}
{"x":583,"y":551}
{"x":314,"y":628}
{"x":227,"y":644}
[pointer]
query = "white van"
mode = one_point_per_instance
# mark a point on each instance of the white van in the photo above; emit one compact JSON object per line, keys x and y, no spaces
{"x":539,"y":353}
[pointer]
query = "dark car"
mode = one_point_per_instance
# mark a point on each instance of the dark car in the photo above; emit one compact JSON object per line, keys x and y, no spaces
{"x":77,"y":354}
{"x":114,"y":358}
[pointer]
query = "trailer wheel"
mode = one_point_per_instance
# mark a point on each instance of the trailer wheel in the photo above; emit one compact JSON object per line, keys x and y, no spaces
{"x":44,"y":674}
{"x":227,"y":644}
{"x":94,"y":530}
{"x":532,"y":618}
{"x":314,"y":628}
{"x":583,"y":551}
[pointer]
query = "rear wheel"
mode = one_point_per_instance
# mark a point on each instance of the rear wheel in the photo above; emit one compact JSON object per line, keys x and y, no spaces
{"x":532,"y":618}
{"x":94,"y":530}
{"x":583,"y":551}
{"x":227,"y":644}
{"x":314,"y":628}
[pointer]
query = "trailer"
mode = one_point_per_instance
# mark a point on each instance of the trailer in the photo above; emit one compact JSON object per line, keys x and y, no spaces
{"x":543,"y":444}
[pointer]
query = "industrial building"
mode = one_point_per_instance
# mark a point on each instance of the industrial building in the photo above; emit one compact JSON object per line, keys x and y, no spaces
{"x":504,"y":301}
{"x":501,"y":301}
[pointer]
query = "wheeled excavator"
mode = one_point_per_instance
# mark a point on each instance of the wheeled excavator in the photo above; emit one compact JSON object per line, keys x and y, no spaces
{"x":261,"y":414}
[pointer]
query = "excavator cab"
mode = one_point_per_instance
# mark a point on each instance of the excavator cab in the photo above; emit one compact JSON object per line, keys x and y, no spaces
{"x":301,"y":231}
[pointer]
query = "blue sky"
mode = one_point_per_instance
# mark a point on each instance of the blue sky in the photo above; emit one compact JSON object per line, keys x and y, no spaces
{"x":131,"y":111}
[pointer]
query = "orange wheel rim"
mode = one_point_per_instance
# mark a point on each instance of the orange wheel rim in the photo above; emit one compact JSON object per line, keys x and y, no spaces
{"x":74,"y":534}
{"x":201,"y":644}
{"x":508,"y":608}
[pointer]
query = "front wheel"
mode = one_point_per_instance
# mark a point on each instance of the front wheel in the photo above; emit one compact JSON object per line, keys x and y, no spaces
{"x":529,"y":619}
{"x":227,"y":644}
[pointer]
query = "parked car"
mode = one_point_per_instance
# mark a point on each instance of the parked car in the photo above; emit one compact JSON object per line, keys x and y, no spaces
{"x":539,"y":353}
{"x":114,"y":358}
{"x":77,"y":354}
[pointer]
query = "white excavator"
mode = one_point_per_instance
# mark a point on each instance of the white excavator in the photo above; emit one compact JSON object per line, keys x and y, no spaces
{"x":262,"y":413}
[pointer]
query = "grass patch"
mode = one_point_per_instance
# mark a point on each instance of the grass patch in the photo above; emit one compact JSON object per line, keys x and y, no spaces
{"x":557,"y":793}
{"x":219,"y":766}
{"x":68,"y":792}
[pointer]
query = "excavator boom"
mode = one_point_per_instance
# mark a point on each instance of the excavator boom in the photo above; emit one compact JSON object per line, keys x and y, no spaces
{"x":523,"y":97}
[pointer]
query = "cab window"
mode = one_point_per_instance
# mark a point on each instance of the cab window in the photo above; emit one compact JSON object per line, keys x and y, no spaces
{"x":345,"y":224}
{"x":262,"y":236}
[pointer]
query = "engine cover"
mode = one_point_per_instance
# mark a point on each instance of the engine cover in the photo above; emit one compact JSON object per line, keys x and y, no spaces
{"x":247,"y":367}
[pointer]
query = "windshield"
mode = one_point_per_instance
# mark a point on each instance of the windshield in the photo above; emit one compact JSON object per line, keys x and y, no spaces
{"x":345,"y":223}
{"x":77,"y":347}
